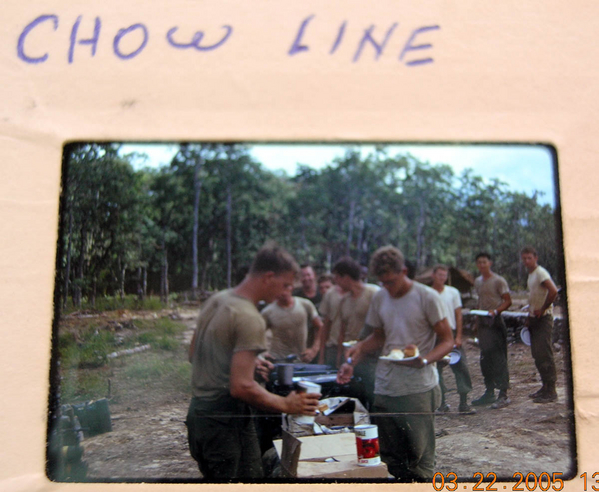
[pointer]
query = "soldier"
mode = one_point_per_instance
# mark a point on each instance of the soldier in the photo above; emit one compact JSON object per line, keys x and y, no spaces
{"x":493,"y":297}
{"x":223,"y":353}
{"x":542,"y":293}
{"x":309,"y":290}
{"x":325,"y":282}
{"x":404,"y":313}
{"x":287,"y":320}
{"x":352,"y":312}
{"x":452,"y":302}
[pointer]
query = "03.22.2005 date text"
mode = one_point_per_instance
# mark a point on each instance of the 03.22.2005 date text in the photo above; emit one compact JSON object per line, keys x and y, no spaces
{"x":529,"y":482}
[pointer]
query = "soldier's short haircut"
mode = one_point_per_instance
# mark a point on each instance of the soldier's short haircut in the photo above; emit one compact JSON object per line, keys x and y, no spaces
{"x":272,"y":258}
{"x":445,"y":268}
{"x":386,"y":260}
{"x":529,"y":250}
{"x":483,"y":254}
{"x":347,"y":266}
{"x":325,"y":277}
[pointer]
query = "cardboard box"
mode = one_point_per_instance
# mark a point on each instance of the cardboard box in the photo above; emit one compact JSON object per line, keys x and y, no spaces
{"x":325,"y":456}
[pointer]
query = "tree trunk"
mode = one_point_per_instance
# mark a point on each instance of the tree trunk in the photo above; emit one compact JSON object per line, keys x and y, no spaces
{"x":420,"y":254}
{"x":206,"y":263}
{"x":164,"y":275}
{"x":494,"y":235}
{"x":140,"y":289}
{"x":361,"y":243}
{"x":350,"y":232}
{"x":229,"y":207}
{"x":145,"y":283}
{"x":122,"y":268}
{"x":197,"y":186}
{"x":92,"y":297}
{"x":67,"y":272}
{"x":77,"y":293}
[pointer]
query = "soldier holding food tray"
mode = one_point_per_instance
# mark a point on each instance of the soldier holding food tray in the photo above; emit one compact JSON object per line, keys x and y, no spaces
{"x":404,"y":313}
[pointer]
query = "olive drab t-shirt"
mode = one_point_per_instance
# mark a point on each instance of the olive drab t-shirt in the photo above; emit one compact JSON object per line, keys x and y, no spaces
{"x":329,"y":308}
{"x":289,"y":326}
{"x":406,"y":320}
{"x":490,"y":291}
{"x":227,"y":324}
{"x":316,"y":300}
{"x":354,"y":310}
{"x":537,"y":292}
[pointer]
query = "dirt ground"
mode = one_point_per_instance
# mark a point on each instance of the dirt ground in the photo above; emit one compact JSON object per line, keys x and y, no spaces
{"x":149,"y":441}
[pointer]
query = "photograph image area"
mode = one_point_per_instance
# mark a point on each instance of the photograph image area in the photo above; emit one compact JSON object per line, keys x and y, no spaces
{"x":242,"y":312}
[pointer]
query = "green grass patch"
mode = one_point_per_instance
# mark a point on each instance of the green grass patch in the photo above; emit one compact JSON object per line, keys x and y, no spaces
{"x":147,"y":337}
{"x":151,"y":367}
{"x":90,"y":348}
{"x":90,"y":351}
{"x":85,"y":367}
{"x":160,"y":333}
{"x":167,"y":326}
{"x":82,"y":385}
{"x":112,"y":303}
{"x":167,"y":343}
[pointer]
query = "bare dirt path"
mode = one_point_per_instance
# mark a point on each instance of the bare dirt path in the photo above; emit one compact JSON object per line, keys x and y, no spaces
{"x":149,"y":439}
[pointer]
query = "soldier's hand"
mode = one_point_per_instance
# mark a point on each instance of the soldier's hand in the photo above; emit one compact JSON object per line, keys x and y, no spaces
{"x":354,"y":352}
{"x":302,"y":403}
{"x":267,"y":356}
{"x":418,"y":363}
{"x":263,"y":368}
{"x":458,"y":341}
{"x":308,"y":355}
{"x":345,"y":373}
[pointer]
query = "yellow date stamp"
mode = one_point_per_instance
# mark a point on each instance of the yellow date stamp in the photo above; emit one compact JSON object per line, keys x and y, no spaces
{"x":530,"y":482}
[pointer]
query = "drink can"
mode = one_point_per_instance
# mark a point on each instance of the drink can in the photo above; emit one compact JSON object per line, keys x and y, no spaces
{"x":306,"y":387}
{"x":367,"y":444}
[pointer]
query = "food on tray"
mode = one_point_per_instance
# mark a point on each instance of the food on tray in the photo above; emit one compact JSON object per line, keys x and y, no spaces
{"x":397,"y":354}
{"x":411,"y":351}
{"x":322,"y":407}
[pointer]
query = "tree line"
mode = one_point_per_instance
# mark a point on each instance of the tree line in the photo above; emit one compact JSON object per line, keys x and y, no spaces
{"x":195,"y":224}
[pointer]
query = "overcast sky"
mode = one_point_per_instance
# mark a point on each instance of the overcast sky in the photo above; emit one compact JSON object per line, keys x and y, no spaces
{"x":524,"y":168}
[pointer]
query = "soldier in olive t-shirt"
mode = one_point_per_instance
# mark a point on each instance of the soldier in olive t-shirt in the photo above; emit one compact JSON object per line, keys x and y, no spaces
{"x":353,"y":311}
{"x":329,"y":309}
{"x":229,"y":323}
{"x":223,"y":353}
{"x":289,"y":326}
{"x":493,"y":297}
{"x":540,"y":323}
{"x":406,"y":392}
